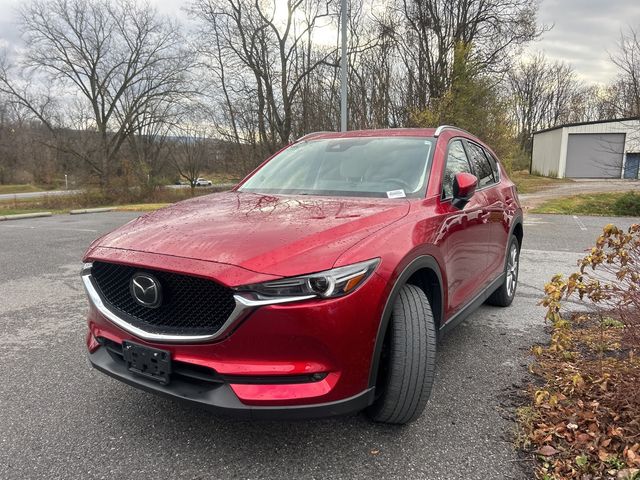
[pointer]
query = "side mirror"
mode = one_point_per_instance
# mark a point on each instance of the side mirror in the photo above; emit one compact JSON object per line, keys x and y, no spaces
{"x":464,"y":186}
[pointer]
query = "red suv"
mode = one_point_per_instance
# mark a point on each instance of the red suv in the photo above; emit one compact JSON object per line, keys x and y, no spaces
{"x":318,"y":286}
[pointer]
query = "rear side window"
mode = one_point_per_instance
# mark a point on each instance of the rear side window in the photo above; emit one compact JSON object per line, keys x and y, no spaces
{"x":494,"y":165}
{"x":457,"y":162}
{"x":481,"y":165}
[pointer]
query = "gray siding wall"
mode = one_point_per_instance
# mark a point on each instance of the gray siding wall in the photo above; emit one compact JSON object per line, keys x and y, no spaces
{"x":546,"y":153}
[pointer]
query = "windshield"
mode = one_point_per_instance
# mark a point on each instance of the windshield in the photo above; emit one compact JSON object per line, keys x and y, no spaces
{"x":391,"y":167}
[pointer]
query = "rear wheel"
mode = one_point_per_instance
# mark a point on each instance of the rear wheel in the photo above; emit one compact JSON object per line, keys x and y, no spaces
{"x":407,"y":366}
{"x":503,"y":296}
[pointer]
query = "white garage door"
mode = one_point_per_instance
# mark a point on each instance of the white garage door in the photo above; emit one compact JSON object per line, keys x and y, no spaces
{"x":594,"y":155}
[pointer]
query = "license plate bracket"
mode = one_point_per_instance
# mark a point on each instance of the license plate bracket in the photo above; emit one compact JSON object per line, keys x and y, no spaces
{"x":149,"y":362}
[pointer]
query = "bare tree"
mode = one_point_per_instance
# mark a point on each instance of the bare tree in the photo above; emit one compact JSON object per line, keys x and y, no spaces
{"x":488,"y":30}
{"x":148,"y":142}
{"x":627,"y":86}
{"x":108,"y":78}
{"x":261,"y":53}
{"x":188,"y":153}
{"x":562,"y":88}
{"x":119,"y":56}
{"x":542,"y":95}
{"x":22,"y":156}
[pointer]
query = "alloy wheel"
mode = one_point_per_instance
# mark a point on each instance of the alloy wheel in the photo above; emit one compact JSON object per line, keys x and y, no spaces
{"x":512,"y":270}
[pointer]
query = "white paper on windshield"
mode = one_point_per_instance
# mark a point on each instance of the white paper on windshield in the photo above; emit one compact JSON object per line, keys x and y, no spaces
{"x":396,"y":194}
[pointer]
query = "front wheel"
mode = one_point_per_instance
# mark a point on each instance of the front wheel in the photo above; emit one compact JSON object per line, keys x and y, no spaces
{"x":503,"y":296}
{"x":407,"y":366}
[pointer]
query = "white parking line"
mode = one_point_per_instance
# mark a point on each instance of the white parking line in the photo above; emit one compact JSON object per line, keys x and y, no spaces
{"x":559,"y":253}
{"x":534,"y":221}
{"x":580,"y":223}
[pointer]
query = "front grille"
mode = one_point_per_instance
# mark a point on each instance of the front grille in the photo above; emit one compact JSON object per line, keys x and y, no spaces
{"x":190,"y":305}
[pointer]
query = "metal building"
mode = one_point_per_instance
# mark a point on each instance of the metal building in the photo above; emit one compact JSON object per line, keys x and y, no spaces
{"x":602,"y":149}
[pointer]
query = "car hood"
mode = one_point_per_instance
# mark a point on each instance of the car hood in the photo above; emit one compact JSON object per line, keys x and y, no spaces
{"x":277,"y":235}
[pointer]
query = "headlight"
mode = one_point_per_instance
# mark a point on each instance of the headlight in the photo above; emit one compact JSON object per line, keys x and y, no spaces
{"x":328,"y":284}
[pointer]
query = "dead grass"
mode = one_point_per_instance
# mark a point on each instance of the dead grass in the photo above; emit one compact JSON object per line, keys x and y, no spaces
{"x":222,"y":177}
{"x":141,"y":207}
{"x":528,"y":183}
{"x":133,"y":207}
{"x":24,"y":188}
{"x":17,"y":211}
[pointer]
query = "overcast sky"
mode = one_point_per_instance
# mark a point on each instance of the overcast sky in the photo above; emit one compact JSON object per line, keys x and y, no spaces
{"x":583,"y":33}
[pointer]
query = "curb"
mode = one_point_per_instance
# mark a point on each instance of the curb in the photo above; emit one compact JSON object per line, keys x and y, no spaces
{"x":25,"y":215}
{"x":91,"y":210}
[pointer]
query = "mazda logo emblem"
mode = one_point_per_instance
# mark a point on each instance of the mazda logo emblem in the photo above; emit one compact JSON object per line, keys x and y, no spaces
{"x":146,"y":290}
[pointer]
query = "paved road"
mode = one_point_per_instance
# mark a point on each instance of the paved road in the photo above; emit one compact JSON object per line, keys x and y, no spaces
{"x":51,"y":193}
{"x":59,"y":419}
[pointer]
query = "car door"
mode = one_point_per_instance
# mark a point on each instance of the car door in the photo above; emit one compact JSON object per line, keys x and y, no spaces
{"x":488,"y":182}
{"x":463,"y":234}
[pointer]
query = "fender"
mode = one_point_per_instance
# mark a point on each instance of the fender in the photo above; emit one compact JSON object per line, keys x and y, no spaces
{"x":424,"y":261}
{"x":518,"y":219}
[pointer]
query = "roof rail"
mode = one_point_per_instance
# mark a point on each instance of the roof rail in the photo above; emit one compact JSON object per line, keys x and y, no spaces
{"x":312,"y":134}
{"x":442,"y":128}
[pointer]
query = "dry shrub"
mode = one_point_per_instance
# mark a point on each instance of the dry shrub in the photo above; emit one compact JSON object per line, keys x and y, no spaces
{"x":608,"y":281}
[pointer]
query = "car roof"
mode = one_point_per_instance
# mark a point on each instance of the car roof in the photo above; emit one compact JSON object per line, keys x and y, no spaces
{"x":397,"y":132}
{"x":381,"y":132}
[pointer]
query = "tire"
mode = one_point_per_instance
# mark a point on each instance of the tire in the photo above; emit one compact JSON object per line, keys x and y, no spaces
{"x":504,"y":295}
{"x":407,"y":368}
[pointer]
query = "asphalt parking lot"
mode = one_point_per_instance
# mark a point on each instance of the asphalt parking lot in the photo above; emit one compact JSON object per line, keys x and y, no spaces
{"x":60,"y":419}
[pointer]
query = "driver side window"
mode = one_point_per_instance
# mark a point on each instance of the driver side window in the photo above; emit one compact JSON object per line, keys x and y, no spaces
{"x":457,"y":162}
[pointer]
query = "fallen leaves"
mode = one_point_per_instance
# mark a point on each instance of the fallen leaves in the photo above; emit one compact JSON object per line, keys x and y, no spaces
{"x":547,"y":451}
{"x":632,"y":455}
{"x":584,"y":418}
{"x":628,"y":474}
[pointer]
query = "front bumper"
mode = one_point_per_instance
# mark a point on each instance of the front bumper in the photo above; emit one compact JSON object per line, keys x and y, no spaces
{"x":276,"y":345}
{"x":222,"y":399}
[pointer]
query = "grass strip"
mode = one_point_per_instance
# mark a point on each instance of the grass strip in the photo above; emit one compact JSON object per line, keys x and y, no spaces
{"x":619,"y":204}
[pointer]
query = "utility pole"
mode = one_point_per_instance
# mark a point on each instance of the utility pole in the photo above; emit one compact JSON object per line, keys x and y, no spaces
{"x":343,"y":69}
